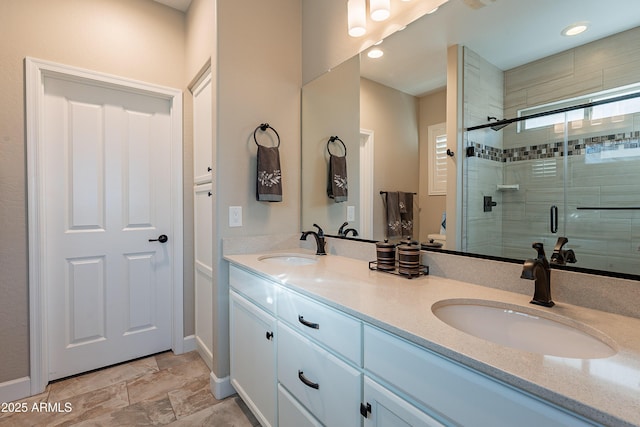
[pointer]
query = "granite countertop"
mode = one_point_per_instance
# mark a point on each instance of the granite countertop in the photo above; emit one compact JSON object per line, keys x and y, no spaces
{"x":605,"y":390}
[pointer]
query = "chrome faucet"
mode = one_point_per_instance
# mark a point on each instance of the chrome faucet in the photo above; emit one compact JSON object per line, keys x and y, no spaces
{"x":319,"y":239}
{"x":342,"y":232}
{"x":538,"y":269}
{"x":562,"y":256}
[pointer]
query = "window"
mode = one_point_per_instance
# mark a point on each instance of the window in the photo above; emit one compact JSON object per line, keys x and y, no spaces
{"x":437,"y":159}
{"x":615,"y":111}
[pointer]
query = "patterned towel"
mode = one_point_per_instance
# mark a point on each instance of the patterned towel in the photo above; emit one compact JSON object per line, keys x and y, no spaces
{"x":337,"y":182}
{"x":269,"y":185}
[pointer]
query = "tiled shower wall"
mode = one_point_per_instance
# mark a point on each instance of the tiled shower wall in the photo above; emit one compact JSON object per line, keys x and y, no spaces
{"x":601,"y":171}
{"x":535,"y":160}
{"x":483,"y":97}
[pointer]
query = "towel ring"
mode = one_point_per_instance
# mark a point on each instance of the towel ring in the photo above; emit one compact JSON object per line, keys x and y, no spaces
{"x":334,"y":139}
{"x":263,"y":127}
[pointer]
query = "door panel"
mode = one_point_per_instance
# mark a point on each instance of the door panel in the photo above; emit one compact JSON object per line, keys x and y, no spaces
{"x":86,"y":288}
{"x":107,"y":193}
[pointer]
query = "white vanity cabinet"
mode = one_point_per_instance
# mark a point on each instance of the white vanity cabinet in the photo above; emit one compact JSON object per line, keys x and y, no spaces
{"x":452,"y":392}
{"x":322,"y":366}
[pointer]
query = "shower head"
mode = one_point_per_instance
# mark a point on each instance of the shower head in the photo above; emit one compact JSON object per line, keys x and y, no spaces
{"x":498,"y":126}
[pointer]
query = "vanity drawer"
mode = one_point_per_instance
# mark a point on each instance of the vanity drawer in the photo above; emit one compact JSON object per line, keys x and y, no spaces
{"x":444,"y":386}
{"x":291,"y":413}
{"x":326,"y":386}
{"x":336,"y":330}
{"x":255,"y":288}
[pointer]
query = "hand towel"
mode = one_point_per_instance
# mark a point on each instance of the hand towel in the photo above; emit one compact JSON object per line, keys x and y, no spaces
{"x":269,"y":185}
{"x":405,"y":202}
{"x":394,"y":224}
{"x":337,"y":182}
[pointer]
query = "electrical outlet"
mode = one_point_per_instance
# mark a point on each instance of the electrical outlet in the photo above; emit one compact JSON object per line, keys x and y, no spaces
{"x":235,"y":216}
{"x":351,"y":213}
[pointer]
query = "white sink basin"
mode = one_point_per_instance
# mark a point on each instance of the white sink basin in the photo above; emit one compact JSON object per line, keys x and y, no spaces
{"x":524,"y":328}
{"x":289,"y":259}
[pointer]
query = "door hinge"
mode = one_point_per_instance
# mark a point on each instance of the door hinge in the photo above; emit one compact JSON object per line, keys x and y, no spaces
{"x":365,"y":410}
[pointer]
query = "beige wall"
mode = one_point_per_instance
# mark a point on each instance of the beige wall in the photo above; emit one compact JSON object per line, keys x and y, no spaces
{"x":141,"y":40}
{"x":393,"y":117}
{"x":432,"y":110}
{"x":258,"y":64}
{"x":330,"y":106}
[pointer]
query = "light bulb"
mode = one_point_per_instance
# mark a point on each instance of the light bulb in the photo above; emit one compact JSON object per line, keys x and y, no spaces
{"x":380,"y":9}
{"x":357,"y":17}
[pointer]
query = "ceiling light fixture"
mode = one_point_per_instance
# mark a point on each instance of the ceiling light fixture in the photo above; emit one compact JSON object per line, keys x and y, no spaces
{"x":575,"y":29}
{"x":375,"y":53}
{"x":379,"y":10}
{"x":357,"y":17}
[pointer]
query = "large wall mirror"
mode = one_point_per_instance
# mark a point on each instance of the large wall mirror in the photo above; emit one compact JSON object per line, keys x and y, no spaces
{"x":389,"y":112}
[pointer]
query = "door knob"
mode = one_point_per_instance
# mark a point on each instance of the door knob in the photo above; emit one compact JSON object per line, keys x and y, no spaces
{"x":161,"y":238}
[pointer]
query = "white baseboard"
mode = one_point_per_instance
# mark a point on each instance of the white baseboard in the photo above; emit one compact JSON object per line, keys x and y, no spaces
{"x":204,"y":353}
{"x":189,"y":344}
{"x":15,"y":389}
{"x":221,"y":387}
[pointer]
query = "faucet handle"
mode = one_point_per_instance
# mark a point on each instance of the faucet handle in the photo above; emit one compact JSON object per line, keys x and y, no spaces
{"x":341,"y":229}
{"x":320,"y":231}
{"x":560,"y":243}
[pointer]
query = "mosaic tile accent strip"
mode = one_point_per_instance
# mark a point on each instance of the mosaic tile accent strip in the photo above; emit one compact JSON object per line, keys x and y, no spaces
{"x":575,"y":147}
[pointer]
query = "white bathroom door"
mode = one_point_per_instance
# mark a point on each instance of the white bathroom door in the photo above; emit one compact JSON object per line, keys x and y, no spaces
{"x":107,"y":157}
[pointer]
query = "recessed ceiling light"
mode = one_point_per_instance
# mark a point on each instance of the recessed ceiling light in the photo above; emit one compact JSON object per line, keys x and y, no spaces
{"x":375,"y":53}
{"x":575,"y":29}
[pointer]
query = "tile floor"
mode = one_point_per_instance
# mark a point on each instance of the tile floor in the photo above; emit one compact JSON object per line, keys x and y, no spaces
{"x":163,"y":389}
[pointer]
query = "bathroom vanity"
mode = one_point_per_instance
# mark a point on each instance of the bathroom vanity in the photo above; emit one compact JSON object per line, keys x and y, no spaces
{"x":323,"y":340}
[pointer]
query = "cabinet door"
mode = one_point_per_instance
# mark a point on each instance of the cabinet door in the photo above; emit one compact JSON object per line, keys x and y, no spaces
{"x":202,"y":129}
{"x":203,"y":271}
{"x":253,"y":357}
{"x":385,"y":409}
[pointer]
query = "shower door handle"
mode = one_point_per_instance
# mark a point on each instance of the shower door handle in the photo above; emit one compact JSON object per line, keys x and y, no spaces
{"x":553,"y":220}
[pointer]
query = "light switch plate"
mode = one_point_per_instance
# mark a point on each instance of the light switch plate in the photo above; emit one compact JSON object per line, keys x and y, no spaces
{"x":235,"y":216}
{"x":351,"y":213}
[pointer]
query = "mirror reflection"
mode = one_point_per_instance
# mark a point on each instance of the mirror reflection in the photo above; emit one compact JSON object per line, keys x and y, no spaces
{"x":400,"y":108}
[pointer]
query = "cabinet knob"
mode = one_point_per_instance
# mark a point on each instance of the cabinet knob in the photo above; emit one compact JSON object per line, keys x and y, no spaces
{"x":269,"y":335}
{"x":208,"y":168}
{"x":365,"y":410}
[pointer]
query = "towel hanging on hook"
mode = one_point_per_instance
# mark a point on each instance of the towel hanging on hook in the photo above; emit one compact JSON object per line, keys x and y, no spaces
{"x":337,"y":177}
{"x":269,"y":175}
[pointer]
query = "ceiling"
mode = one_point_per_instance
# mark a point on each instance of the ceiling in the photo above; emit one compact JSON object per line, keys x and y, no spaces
{"x":181,"y":5}
{"x":507,"y":33}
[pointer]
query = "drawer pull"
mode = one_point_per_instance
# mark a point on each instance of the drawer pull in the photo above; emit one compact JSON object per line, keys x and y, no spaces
{"x":306,"y":381}
{"x":308,"y":324}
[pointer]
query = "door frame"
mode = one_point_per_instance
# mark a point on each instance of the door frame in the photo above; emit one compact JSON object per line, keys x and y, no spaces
{"x":367,"y":159}
{"x":35,"y":72}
